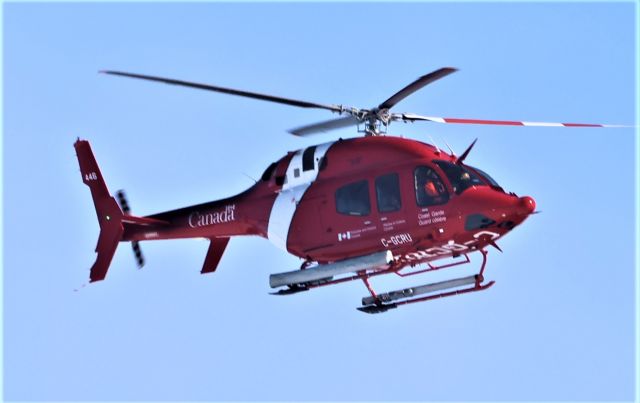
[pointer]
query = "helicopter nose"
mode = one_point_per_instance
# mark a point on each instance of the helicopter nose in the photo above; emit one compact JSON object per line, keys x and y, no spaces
{"x":527,"y":204}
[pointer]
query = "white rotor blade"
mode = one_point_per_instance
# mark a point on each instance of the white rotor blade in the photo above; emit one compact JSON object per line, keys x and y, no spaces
{"x":410,"y":117}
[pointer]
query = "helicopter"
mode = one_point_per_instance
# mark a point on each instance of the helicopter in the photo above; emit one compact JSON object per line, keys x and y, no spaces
{"x":351,"y":209}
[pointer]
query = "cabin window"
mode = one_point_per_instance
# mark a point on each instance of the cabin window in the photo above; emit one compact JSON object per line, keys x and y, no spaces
{"x":430,"y":189}
{"x":388,"y":193}
{"x":308,"y":164}
{"x":268,"y":173}
{"x":353,"y":199}
{"x":461,"y":178}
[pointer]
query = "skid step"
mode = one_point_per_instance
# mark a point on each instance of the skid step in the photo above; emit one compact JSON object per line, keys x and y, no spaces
{"x":379,"y":308}
{"x":296,"y":288}
{"x":423,"y":289}
{"x":292,"y":289}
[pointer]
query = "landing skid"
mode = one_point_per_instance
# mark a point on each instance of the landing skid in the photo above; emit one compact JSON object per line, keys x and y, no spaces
{"x":377,"y":303}
{"x":373,"y":306}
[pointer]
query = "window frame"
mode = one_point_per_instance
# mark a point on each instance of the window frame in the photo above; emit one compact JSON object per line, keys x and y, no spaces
{"x":446,"y":195}
{"x":397,"y":188}
{"x":472,"y":173}
{"x":368,"y":199}
{"x":486,"y":177}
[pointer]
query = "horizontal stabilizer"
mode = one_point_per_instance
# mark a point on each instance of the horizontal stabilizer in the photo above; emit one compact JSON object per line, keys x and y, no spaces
{"x":130,"y":219}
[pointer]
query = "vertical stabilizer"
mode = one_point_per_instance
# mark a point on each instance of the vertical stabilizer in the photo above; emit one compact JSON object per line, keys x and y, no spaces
{"x":107,"y":210}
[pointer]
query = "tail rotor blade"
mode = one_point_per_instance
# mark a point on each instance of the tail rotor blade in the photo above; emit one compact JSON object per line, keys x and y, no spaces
{"x":138,"y":253}
{"x":122,"y":201}
{"x":124,"y":205}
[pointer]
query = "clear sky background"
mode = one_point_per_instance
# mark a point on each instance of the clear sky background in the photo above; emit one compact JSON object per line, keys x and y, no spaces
{"x":558,"y":324}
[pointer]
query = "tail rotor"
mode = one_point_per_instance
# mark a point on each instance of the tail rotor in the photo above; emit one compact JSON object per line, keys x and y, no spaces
{"x":135,"y":245}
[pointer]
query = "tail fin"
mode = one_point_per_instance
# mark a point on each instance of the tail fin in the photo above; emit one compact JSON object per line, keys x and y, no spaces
{"x":109,"y":213}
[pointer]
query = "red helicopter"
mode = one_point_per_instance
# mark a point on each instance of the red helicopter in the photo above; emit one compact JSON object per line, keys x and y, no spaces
{"x":352,"y":209}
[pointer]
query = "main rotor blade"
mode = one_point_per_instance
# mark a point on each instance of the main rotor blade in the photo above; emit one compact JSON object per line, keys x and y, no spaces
{"x":325,"y":126}
{"x":415,"y":86}
{"x":410,"y":117}
{"x":231,"y":91}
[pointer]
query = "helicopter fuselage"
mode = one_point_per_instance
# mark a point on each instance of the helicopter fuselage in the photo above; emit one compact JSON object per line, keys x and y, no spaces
{"x":354,"y":197}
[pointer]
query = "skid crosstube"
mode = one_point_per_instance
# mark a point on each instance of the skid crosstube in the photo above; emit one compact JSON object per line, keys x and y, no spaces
{"x":377,"y":303}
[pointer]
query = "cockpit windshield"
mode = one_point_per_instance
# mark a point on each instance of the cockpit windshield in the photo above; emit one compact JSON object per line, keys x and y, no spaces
{"x":460,"y":177}
{"x":486,"y":176}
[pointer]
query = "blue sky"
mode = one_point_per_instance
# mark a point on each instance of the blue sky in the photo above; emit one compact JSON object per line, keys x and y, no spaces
{"x":558,"y":324}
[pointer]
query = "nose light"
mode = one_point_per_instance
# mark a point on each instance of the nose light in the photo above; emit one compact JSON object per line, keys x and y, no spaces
{"x":528,"y":204}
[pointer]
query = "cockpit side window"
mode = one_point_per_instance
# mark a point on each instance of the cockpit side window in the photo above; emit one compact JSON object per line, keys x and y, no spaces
{"x":353,"y":199}
{"x":461,"y":178}
{"x":429,"y":187}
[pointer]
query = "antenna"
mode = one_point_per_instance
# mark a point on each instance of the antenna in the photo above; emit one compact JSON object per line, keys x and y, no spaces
{"x":450,"y":149}
{"x":248,"y":176}
{"x":466,"y":152}
{"x":435,"y":145}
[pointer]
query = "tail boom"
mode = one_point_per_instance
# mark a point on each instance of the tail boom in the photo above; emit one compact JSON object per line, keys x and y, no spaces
{"x":244,"y":214}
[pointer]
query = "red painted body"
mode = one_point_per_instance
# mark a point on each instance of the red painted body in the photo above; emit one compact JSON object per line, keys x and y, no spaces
{"x":413,"y":234}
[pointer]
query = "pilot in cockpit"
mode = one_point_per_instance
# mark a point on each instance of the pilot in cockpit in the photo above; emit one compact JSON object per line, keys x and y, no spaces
{"x":430,"y":189}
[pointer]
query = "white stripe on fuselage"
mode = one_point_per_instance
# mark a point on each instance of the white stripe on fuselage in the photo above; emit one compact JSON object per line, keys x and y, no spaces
{"x":292,"y":192}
